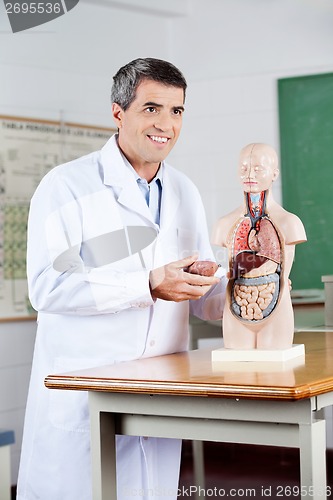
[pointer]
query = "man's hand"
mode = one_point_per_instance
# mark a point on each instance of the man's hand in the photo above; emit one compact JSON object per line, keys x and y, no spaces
{"x":171,"y":282}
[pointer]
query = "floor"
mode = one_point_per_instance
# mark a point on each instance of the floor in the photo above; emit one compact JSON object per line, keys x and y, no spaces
{"x":246,"y":471}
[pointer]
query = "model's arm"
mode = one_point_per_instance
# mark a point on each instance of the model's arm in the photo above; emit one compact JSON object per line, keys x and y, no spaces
{"x":292,"y":228}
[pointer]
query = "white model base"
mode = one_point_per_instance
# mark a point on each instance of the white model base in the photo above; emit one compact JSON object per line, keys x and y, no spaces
{"x":258,"y":355}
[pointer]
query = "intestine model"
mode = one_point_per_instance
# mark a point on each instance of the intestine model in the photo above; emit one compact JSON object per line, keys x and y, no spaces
{"x":260,"y":237}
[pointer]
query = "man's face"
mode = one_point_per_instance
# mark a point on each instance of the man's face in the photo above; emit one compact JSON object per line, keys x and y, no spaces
{"x":150,"y":126}
{"x":257,"y":168}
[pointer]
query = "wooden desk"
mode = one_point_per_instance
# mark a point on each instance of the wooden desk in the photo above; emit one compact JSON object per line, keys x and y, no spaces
{"x":185,"y":396}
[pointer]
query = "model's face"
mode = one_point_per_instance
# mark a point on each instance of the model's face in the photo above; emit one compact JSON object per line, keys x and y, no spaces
{"x":257,"y":168}
{"x":150,"y":126}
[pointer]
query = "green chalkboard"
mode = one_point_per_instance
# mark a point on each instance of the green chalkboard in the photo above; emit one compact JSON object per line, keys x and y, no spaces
{"x":306,"y":163}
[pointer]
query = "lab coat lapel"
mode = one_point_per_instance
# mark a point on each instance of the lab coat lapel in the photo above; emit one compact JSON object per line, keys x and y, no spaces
{"x":170,"y":200}
{"x":117,"y":175}
{"x":131,"y":197}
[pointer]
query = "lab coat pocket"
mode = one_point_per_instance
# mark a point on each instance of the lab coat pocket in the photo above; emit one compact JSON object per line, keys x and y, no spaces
{"x":187,"y":242}
{"x":68,"y":410}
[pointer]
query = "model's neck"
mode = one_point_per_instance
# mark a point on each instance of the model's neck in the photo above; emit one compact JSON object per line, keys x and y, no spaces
{"x":255,"y":204}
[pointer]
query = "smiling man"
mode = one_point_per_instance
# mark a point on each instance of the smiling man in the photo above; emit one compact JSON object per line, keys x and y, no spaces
{"x":150,"y":126}
{"x":109,"y":238}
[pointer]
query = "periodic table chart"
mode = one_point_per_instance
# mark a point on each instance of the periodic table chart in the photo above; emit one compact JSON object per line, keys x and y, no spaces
{"x":29,"y":148}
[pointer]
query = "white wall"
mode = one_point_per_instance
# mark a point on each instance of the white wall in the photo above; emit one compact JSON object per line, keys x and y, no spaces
{"x":231,"y":51}
{"x":16,"y":349}
{"x":67,"y":65}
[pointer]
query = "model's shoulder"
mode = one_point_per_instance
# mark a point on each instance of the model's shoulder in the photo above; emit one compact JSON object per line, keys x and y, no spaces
{"x":294,"y":229}
{"x":231,"y":218}
{"x":290,"y":225}
{"x":224,"y":225}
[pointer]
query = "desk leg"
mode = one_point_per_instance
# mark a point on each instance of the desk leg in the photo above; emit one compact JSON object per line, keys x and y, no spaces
{"x":312,"y":443}
{"x":198,"y":466}
{"x":103,"y":453}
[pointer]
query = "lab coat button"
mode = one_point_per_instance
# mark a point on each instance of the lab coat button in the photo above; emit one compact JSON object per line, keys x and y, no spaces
{"x":152,"y":343}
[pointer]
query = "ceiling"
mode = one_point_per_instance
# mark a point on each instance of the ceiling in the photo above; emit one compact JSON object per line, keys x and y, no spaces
{"x":171,"y":8}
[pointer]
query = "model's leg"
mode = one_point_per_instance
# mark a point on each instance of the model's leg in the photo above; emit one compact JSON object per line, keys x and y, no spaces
{"x":235,"y":334}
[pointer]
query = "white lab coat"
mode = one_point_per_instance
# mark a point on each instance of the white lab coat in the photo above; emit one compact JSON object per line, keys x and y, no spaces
{"x":95,"y":310}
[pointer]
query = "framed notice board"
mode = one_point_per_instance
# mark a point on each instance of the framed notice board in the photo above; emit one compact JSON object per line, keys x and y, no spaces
{"x":306,"y":141}
{"x":29,"y":148}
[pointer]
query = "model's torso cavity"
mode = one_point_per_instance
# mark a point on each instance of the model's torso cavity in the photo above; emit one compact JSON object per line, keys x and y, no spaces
{"x":255,"y":249}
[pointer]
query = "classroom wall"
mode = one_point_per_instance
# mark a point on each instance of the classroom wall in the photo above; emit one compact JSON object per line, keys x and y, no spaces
{"x":231,"y":51}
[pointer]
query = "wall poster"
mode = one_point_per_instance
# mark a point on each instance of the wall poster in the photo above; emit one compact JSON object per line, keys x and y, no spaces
{"x":29,"y":148}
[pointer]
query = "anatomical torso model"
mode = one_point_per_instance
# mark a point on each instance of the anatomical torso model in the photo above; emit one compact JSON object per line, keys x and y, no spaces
{"x":260,"y":237}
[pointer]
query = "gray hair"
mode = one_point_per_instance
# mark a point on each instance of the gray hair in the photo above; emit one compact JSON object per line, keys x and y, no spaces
{"x":128,"y":78}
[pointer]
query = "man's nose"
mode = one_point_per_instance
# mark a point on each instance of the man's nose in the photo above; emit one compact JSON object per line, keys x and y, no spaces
{"x":163,"y":122}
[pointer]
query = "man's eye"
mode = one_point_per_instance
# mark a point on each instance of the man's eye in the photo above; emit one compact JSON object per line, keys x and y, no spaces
{"x":151,"y":109}
{"x":178,"y":111}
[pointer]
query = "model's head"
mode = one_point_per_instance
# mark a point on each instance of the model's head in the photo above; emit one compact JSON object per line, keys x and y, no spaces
{"x":258,"y":167}
{"x":128,"y":78}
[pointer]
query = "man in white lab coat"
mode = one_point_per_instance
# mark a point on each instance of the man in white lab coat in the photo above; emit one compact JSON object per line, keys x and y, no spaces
{"x":109,"y":237}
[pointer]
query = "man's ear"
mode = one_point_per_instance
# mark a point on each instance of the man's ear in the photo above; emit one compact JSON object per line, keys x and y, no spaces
{"x":117,"y":113}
